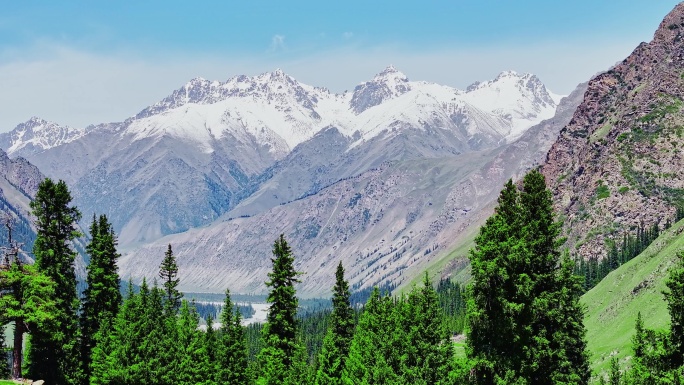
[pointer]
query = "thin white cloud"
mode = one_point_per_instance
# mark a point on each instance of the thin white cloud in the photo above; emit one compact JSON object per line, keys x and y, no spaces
{"x":78,"y":88}
{"x":348,"y":35}
{"x":277,"y":42}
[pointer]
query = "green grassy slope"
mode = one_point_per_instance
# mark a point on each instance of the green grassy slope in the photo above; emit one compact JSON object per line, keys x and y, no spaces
{"x":636,"y":286}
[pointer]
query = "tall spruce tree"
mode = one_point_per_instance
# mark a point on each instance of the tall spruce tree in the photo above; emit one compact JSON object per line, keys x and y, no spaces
{"x":340,"y":332}
{"x":280,"y":331}
{"x":525,"y":320}
{"x":102,"y":296}
{"x":430,"y":349}
{"x":168,"y":272}
{"x":191,"y":359}
{"x":232,"y":350}
{"x":53,"y":355}
{"x":491,"y":310}
{"x":372,"y":357}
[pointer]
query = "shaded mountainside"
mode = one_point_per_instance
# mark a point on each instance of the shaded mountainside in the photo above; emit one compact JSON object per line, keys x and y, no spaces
{"x":18,"y":184}
{"x":619,"y":162}
{"x":386,"y":224}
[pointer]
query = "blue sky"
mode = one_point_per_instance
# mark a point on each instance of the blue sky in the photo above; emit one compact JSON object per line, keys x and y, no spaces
{"x":81,"y":62}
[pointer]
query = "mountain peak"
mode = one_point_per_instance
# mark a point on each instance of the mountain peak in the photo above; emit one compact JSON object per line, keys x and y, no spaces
{"x":388,"y":84}
{"x":37,"y":133}
{"x":34,"y":121}
{"x":195,"y":82}
{"x":508,"y":74}
{"x":672,"y":25}
{"x":391,"y":72}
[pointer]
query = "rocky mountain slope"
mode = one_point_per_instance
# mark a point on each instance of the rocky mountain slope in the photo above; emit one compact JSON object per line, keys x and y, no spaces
{"x":266,"y":140}
{"x":18,"y":184}
{"x":619,"y":162}
{"x":386,"y":224}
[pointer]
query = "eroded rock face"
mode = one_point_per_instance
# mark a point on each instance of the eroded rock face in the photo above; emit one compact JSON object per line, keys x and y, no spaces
{"x":619,"y":163}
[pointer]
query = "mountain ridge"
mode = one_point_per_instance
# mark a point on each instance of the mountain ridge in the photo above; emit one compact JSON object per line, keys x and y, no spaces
{"x":218,"y":140}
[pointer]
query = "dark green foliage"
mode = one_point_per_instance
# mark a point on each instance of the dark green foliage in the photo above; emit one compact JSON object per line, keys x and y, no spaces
{"x":615,"y":376}
{"x":400,"y":341}
{"x":232,"y":349}
{"x":4,"y":354}
{"x":312,"y":328}
{"x":140,"y":347}
{"x":675,"y":305}
{"x":594,"y":270}
{"x":453,"y":305}
{"x":192,"y":358}
{"x":27,"y":301}
{"x":679,"y":213}
{"x":602,"y":191}
{"x":53,"y":356}
{"x":524,"y":316}
{"x":368,"y":358}
{"x":168,"y":272}
{"x":280,"y":331}
{"x":102,"y":296}
{"x":340,"y":333}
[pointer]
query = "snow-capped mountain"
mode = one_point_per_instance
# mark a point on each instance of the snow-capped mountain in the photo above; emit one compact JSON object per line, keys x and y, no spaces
{"x":518,"y":98}
{"x":387,"y":224}
{"x":36,"y":135}
{"x":250,"y":143}
{"x":281,"y":113}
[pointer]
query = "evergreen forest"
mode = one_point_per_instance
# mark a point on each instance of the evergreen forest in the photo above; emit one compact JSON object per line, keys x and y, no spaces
{"x":519,"y":320}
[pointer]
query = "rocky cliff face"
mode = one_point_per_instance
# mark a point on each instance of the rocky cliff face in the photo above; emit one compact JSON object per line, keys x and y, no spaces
{"x":619,"y":162}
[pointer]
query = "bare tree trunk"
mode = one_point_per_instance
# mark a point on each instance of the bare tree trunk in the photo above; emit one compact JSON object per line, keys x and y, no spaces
{"x":16,"y":349}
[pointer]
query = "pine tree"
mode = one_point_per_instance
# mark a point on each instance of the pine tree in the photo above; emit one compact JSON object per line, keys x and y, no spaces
{"x":427,"y":338}
{"x":280,"y":331}
{"x":614,"y":378}
{"x":140,"y":347}
{"x":168,"y":272}
{"x":116,"y":354}
{"x":554,"y":326}
{"x":674,"y":297}
{"x":492,"y":309}
{"x":211,"y":356}
{"x":102,"y":296}
{"x":26,"y":300}
{"x":232,"y":351}
{"x":525,"y":320}
{"x":191,"y":356}
{"x":371,"y":355}
{"x":337,"y":340}
{"x":53,"y":356}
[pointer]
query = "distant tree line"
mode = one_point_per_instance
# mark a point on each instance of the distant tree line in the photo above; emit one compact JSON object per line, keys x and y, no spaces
{"x":594,"y":270}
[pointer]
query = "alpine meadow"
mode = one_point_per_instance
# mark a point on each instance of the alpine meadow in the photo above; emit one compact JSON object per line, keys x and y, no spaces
{"x":263,"y":231}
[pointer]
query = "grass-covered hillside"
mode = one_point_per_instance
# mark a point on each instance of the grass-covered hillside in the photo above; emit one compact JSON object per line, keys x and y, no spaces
{"x":636,"y":286}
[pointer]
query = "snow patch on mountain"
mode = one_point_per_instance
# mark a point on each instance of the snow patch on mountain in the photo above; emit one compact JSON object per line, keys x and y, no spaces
{"x":522,"y":99}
